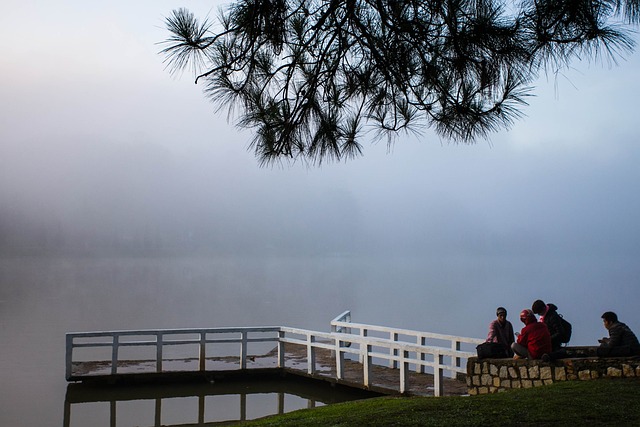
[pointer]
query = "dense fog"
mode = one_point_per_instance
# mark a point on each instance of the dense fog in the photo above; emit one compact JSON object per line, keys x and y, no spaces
{"x":70,"y":193}
{"x":102,"y":152}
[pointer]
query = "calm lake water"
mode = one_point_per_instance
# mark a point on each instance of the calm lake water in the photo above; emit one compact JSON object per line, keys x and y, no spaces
{"x":42,"y":298}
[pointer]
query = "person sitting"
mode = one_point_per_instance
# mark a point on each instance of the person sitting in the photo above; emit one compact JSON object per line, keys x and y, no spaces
{"x":621,"y":342}
{"x":501,"y":331}
{"x":534,"y":340}
{"x":549,"y":316}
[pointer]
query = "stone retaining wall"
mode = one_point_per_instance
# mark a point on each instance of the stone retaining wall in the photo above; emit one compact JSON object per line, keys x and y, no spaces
{"x":496,"y":375}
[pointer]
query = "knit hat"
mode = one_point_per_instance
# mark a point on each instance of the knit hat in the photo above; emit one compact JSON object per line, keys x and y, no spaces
{"x":501,"y":310}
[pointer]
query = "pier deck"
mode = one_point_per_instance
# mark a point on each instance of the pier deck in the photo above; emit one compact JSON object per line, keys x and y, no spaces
{"x":377,"y":358}
{"x":384,"y":380}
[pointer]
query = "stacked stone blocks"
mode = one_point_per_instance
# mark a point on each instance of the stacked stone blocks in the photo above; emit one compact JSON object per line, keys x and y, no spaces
{"x":496,"y":375}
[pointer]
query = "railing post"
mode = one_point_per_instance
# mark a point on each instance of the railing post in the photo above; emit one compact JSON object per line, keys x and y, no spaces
{"x":243,"y":351}
{"x":69,"y":357}
{"x":455,"y":346}
{"x":114,"y":354}
{"x":363,"y":352}
{"x":311,"y":355}
{"x":281,"y":349}
{"x":438,"y":377}
{"x":339,"y":360}
{"x":159,"y":344}
{"x":203,"y":350}
{"x":393,"y":363}
{"x":366,"y":365}
{"x":421,"y":356}
{"x":404,"y":372}
{"x":344,"y":317}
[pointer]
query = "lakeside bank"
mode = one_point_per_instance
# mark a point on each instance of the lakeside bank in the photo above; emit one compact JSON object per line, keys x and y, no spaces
{"x":607,"y":402}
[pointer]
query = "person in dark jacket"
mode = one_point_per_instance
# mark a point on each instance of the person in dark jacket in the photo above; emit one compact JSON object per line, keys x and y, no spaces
{"x":534,"y":341}
{"x":549,"y":316}
{"x":621,"y":342}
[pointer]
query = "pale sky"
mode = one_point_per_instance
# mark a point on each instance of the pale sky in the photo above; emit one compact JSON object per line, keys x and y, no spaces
{"x":95,"y":133}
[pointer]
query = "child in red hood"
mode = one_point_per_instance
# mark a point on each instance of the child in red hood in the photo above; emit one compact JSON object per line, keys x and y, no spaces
{"x":534,"y":340}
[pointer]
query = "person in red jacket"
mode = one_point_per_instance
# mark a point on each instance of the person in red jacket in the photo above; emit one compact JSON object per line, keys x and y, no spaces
{"x":534,"y":340}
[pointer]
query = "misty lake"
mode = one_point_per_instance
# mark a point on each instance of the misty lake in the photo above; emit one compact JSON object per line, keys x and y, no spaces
{"x":42,"y":298}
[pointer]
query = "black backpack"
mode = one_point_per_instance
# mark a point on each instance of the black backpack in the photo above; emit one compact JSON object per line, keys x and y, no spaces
{"x":566,"y":330}
{"x":491,"y":350}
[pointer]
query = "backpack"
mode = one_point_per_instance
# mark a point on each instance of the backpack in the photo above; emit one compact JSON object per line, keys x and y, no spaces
{"x":566,"y":330}
{"x":491,"y":350}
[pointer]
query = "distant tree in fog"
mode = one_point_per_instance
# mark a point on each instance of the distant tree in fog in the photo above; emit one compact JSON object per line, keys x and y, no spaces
{"x":310,"y":76}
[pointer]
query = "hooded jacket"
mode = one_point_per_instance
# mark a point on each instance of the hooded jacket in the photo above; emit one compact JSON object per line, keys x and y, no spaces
{"x":535,"y":337}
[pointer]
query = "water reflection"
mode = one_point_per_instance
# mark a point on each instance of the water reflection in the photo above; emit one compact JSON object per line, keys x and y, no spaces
{"x":198,"y":404}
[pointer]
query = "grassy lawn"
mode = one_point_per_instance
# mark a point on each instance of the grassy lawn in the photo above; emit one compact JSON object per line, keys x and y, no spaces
{"x":575,"y":403}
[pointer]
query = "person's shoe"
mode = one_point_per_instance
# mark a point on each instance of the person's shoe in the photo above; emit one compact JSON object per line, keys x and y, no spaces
{"x":546,"y":358}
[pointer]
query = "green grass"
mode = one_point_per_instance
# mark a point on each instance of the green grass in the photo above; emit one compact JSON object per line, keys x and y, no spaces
{"x":574,"y":403}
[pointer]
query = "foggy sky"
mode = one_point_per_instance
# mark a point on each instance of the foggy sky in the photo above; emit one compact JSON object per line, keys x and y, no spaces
{"x":99,"y":144}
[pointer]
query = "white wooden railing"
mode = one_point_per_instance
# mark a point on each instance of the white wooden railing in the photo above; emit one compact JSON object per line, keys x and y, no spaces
{"x":341,"y":341}
{"x":160,"y":339}
{"x":343,"y":324}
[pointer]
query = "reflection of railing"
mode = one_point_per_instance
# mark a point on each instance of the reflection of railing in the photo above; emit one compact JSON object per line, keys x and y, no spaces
{"x":395,"y":351}
{"x":158,"y":411}
{"x":209,"y":404}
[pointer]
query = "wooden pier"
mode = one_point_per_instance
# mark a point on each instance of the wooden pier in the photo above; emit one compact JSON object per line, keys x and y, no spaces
{"x":382,"y":359}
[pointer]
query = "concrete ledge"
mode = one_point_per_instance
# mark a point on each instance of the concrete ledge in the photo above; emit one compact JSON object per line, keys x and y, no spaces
{"x":497,"y":375}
